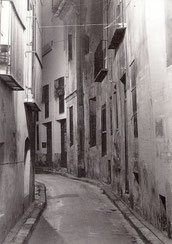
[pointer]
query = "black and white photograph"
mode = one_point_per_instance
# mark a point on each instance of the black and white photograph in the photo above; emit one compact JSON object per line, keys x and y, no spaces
{"x":85,"y":121}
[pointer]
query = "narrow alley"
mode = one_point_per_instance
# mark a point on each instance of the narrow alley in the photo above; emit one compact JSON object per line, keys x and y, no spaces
{"x":79,"y":213}
{"x":85,"y":97}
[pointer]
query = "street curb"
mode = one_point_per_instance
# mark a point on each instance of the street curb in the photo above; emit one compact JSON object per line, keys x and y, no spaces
{"x":22,"y":231}
{"x":148,"y":233}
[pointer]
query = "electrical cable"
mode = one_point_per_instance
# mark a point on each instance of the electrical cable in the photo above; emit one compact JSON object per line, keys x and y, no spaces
{"x":89,"y":24}
{"x":62,"y":26}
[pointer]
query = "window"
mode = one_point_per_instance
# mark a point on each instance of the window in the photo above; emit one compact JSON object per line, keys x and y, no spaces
{"x":134,"y":98}
{"x":100,"y":71}
{"x":98,"y":59}
{"x":37,"y":116}
{"x":163,"y":212}
{"x":104,"y":133}
{"x":61,"y":104}
{"x":44,"y":145}
{"x":69,"y":47}
{"x":92,"y":104}
{"x":60,"y":93}
{"x":71,"y":125}
{"x":116,"y":108}
{"x":2,"y":152}
{"x":45,"y":99}
{"x":37,"y":137}
{"x":85,"y":44}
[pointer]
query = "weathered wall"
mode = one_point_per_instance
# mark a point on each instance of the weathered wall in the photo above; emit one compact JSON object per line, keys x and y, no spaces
{"x":74,"y":96}
{"x":17,"y":133}
{"x":11,"y":165}
{"x":96,"y":165}
{"x":149,"y":153}
{"x":144,"y":45}
{"x":54,"y":67}
{"x":137,"y":166}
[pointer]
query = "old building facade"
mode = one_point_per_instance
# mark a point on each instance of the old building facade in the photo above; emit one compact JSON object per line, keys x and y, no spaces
{"x":126,"y":76}
{"x":116,"y":62}
{"x":20,"y":82}
{"x":52,"y":122}
{"x":62,"y":90}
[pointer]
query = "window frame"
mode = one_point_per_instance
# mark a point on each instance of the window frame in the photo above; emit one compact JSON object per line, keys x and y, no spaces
{"x":111,"y":115}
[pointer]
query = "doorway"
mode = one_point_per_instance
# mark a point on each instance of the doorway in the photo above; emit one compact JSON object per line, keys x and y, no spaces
{"x":27,"y":170}
{"x":49,"y":143}
{"x":63,"y":144}
{"x":125,"y":129}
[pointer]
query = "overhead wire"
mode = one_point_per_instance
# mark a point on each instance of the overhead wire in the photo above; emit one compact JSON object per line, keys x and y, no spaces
{"x":96,"y":2}
{"x":62,"y":26}
{"x":87,"y":24}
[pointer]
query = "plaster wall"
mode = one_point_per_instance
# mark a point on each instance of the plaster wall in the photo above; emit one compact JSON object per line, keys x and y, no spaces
{"x":54,"y":67}
{"x":14,"y":130}
{"x":150,"y":152}
{"x":145,"y":44}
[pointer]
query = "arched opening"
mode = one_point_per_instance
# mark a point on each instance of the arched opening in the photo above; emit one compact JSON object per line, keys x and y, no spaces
{"x":27,"y":167}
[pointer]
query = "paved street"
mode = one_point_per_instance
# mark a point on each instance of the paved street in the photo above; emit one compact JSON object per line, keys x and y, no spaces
{"x":79,"y":213}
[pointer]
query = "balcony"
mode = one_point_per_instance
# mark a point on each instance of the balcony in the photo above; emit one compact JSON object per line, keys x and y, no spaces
{"x":100,"y":71}
{"x":117,"y":35}
{"x":5,"y":69}
{"x":11,"y":48}
{"x":30,"y":102}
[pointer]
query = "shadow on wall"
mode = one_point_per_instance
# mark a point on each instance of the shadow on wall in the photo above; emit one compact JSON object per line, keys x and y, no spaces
{"x":27,"y":169}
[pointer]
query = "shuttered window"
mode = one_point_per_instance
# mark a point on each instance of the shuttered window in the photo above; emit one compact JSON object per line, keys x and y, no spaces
{"x":70,"y":47}
{"x":92,"y":104}
{"x":45,"y":99}
{"x":104,"y":132}
{"x":71,"y":124}
{"x":134,"y":97}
